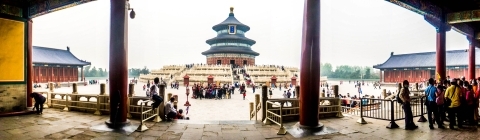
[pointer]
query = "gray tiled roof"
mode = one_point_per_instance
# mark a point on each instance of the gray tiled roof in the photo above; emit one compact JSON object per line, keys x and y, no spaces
{"x":427,"y":59}
{"x":45,"y":55}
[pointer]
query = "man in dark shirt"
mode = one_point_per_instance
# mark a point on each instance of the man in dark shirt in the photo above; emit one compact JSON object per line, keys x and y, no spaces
{"x":39,"y":101}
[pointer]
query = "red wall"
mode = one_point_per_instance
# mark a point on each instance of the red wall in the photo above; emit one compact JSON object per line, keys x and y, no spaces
{"x":395,"y":76}
{"x":54,"y":74}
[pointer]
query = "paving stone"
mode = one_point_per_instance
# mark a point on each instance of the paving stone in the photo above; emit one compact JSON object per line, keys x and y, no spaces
{"x":73,"y":132}
{"x":37,"y":134}
{"x":4,"y":134}
{"x":57,"y":136}
{"x":105,"y":138}
{"x":16,"y":131}
{"x":82,"y":137}
{"x":158,"y":128}
{"x":154,"y":133}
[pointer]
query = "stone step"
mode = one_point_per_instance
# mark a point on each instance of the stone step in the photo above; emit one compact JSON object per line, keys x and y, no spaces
{"x":217,"y":122}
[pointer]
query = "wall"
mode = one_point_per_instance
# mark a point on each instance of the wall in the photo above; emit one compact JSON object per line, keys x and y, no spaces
{"x":44,"y":74}
{"x":12,"y":98}
{"x":12,"y":65}
{"x":12,"y":56}
{"x":394,"y":76}
{"x":226,"y":60}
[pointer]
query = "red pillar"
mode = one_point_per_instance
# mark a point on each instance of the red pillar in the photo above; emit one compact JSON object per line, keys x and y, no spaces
{"x":29,"y":63}
{"x":51,"y":74}
{"x":471,"y":59}
{"x":118,"y":63}
{"x":82,"y":74}
{"x":310,"y":64}
{"x":440,"y":54}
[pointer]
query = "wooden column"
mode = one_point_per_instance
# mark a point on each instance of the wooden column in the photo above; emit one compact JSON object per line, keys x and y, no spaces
{"x":118,"y":64}
{"x":63,"y":75}
{"x":81,"y":78}
{"x":29,"y":63}
{"x":381,"y":80}
{"x":440,"y":54}
{"x":39,"y":74}
{"x":51,"y":74}
{"x":471,"y":59}
{"x":310,"y":64}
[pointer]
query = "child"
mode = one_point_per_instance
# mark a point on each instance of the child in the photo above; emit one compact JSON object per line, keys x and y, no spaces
{"x":180,"y":115}
{"x":244,"y":94}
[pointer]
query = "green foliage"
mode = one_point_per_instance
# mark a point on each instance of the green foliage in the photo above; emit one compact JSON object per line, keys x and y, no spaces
{"x":348,"y":72}
{"x":93,"y":72}
{"x":135,"y":72}
{"x":100,"y":72}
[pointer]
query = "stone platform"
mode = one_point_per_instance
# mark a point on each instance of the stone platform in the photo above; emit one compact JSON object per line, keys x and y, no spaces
{"x":57,"y":124}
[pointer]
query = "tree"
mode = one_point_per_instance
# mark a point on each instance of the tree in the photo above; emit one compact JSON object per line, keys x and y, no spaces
{"x":348,"y":72}
{"x":326,"y":69}
{"x":93,"y":72}
{"x":367,"y":73}
{"x":145,"y":70}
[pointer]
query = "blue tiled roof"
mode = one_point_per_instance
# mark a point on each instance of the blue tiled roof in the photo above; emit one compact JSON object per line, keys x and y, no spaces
{"x":230,"y":49}
{"x":231,"y":20}
{"x":236,"y":37}
{"x":45,"y":55}
{"x":427,"y":59}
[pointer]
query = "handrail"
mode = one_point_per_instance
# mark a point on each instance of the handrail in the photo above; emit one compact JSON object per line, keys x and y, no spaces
{"x":147,"y":115}
{"x":271,"y":116}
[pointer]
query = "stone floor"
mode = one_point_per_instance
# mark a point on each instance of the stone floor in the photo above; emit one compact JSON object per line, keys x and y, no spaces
{"x":57,"y":124}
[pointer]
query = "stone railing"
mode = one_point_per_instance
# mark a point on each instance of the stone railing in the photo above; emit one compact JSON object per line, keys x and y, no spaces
{"x":97,"y":104}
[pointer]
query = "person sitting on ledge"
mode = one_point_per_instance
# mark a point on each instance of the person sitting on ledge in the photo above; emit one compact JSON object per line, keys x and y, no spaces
{"x":170,"y":110}
{"x":39,"y":101}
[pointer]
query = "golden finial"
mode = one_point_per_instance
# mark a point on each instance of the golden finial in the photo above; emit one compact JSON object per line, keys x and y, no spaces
{"x":231,"y":9}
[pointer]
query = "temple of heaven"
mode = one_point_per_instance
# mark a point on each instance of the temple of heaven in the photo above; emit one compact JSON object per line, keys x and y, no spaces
{"x":230,"y":46}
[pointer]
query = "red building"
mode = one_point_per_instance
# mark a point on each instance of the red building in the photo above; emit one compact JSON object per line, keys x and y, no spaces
{"x":55,"y":65}
{"x":417,"y":67}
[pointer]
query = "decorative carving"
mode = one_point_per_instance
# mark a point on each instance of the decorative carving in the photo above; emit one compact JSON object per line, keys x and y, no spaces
{"x":11,"y":10}
{"x":39,"y":8}
{"x":464,"y":16}
{"x":423,"y":7}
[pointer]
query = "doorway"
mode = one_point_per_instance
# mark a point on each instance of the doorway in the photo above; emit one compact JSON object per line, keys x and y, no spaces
{"x":219,"y":62}
{"x":232,"y":61}
{"x":244,"y":62}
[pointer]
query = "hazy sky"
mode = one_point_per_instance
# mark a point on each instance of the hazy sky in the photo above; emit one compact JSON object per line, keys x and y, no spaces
{"x":353,"y":32}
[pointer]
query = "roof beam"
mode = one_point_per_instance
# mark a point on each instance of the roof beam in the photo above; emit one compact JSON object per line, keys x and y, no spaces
{"x":464,"y":16}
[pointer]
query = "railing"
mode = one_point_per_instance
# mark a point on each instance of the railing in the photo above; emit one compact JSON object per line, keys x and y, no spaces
{"x":255,"y":109}
{"x":147,"y":115}
{"x":79,"y":102}
{"x":276,"y":116}
{"x":330,"y":105}
{"x":97,"y":104}
{"x":390,"y":110}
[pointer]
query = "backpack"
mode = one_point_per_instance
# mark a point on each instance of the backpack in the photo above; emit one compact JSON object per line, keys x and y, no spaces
{"x":400,"y":101}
